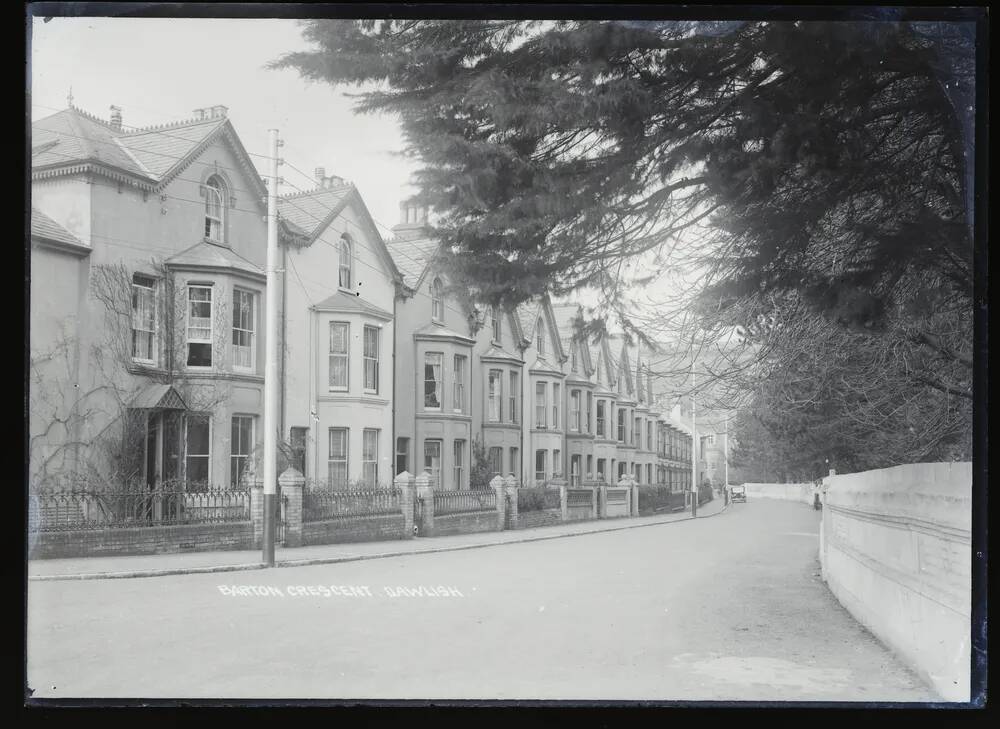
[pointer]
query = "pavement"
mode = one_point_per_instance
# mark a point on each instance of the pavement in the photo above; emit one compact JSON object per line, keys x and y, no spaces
{"x":83,"y":568}
{"x":725,"y":608}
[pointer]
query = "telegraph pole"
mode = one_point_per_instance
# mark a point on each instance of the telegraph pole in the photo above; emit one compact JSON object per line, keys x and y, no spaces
{"x":725,"y":459}
{"x":271,"y":359}
{"x":694,"y":450}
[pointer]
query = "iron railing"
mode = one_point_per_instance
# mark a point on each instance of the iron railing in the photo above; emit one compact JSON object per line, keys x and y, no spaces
{"x":89,"y":509}
{"x":323,"y":504}
{"x":464,"y":501}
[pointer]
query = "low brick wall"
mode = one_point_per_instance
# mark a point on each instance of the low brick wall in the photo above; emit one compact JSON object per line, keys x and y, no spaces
{"x":468,"y":523}
{"x":895,"y":547}
{"x":355,"y":529}
{"x":580,"y":513}
{"x":533,"y":519}
{"x":141,"y":540}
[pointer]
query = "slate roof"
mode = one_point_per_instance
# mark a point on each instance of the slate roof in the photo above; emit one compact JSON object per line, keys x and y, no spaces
{"x":209,"y":255}
{"x":411,"y":256}
{"x":343,"y":301}
{"x":72,"y":137}
{"x":43,"y":226}
{"x":309,"y":210}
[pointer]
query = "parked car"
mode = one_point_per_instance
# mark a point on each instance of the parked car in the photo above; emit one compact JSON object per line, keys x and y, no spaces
{"x":738,"y":493}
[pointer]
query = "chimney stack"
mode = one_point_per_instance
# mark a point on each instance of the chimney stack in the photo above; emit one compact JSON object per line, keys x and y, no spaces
{"x":116,"y":117}
{"x":199,"y":114}
{"x":320,"y":174}
{"x":219,"y":111}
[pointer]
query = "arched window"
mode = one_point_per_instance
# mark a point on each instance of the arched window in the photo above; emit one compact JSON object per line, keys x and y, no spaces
{"x":215,"y":196}
{"x":540,"y":336}
{"x":572,"y":353}
{"x":495,"y":320}
{"x":437,"y":300}
{"x":346,"y":262}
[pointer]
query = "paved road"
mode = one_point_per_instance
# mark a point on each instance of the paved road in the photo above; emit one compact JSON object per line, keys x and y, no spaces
{"x":724,"y":608}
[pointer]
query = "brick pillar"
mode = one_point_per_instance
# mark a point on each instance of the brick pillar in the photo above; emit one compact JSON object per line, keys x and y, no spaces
{"x":425,"y":493}
{"x":257,"y":511}
{"x":602,"y":501}
{"x":407,"y":489}
{"x":291,"y":484}
{"x":497,"y":485}
{"x":634,"y":499}
{"x":594,"y":503}
{"x":510,"y":491}
{"x":564,"y":502}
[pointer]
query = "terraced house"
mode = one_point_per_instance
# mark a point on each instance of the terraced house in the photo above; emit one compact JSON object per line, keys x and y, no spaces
{"x":339,"y":288}
{"x":147,"y":255}
{"x":544,"y":435}
{"x":433,"y":361}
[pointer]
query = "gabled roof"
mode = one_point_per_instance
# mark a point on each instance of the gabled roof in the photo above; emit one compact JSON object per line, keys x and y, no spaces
{"x":205,"y":255}
{"x":566,"y":315}
{"x":158,"y":396}
{"x":412,"y":257}
{"x":311,"y":212}
{"x":42,"y":226}
{"x":529,"y":312}
{"x":72,"y":141}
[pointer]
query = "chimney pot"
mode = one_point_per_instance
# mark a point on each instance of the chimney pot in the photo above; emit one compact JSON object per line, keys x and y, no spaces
{"x":116,"y":117}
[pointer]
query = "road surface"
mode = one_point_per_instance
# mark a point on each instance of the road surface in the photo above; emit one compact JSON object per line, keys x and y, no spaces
{"x":729,"y":607}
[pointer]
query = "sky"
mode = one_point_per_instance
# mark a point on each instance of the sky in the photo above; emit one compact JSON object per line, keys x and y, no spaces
{"x":146,"y":66}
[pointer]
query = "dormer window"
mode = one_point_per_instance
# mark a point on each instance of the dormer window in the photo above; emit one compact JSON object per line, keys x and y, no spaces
{"x":540,"y":337}
{"x":346,"y":262}
{"x":214,"y":209}
{"x":437,"y":300}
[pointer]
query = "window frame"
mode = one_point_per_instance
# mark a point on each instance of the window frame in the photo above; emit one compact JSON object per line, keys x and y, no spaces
{"x":373,"y":360}
{"x":234,"y":457}
{"x":188,"y":339}
{"x":215,"y":186}
{"x":437,"y":300}
{"x":541,"y":405}
{"x":494,"y":396}
{"x":367,"y":435}
{"x":574,"y":410}
{"x":252,"y":332}
{"x":434,"y":476}
{"x":556,"y":404}
{"x":458,"y":461}
{"x":459,"y":364}
{"x":540,"y":474}
{"x":402,"y":449}
{"x":438,"y":382}
{"x":513,"y":395}
{"x":293,"y":433}
{"x":154,"y":344}
{"x":345,"y":263}
{"x":540,"y":337}
{"x":187,"y":454}
{"x":345,"y":356}
{"x":345,"y":459}
{"x":496,"y":324}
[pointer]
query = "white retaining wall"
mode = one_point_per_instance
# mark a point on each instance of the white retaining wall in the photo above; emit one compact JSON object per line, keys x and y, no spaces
{"x":787,"y":491}
{"x":895,"y":547}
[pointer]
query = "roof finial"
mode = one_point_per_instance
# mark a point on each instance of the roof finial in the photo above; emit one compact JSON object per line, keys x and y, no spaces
{"x":69,"y":97}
